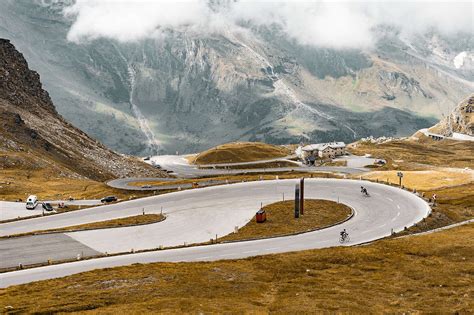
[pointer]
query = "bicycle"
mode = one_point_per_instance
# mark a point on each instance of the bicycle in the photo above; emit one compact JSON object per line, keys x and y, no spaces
{"x":344,"y":238}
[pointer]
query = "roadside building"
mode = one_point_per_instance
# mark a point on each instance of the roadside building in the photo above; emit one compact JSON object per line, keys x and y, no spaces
{"x":332,"y":150}
{"x":323,"y":151}
{"x":311,"y":150}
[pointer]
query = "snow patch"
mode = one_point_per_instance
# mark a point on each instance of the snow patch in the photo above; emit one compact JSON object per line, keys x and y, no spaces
{"x":459,"y":59}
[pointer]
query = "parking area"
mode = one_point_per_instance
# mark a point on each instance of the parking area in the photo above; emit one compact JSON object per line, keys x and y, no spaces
{"x":15,"y":210}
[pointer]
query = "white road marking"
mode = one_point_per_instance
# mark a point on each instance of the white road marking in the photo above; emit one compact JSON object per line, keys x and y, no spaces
{"x":390,"y":199}
{"x":225,"y":255}
{"x":250,"y":251}
{"x":398,"y":207}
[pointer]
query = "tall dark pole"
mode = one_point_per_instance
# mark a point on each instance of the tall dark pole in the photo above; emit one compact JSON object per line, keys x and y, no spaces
{"x":302,"y":196}
{"x":297,"y":201}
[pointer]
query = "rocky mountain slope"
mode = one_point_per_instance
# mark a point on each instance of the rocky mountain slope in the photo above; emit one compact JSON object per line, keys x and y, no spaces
{"x":189,"y":92}
{"x":460,"y":120}
{"x":32,"y":132}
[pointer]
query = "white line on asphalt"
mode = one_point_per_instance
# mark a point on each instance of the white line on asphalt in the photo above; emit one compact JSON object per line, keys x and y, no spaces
{"x":225,"y":255}
{"x":390,"y":199}
{"x":398,"y":207}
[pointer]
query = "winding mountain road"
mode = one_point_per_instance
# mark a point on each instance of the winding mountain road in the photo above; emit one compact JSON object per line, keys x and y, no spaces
{"x":180,"y":167}
{"x":195,"y":216}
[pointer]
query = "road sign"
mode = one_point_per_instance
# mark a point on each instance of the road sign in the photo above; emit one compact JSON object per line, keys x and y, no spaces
{"x":400,"y":175}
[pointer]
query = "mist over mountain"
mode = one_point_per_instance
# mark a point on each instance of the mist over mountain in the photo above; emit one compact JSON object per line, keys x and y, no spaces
{"x":146,"y":78}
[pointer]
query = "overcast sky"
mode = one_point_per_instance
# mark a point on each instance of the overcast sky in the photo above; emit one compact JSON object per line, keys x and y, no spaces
{"x":334,"y":24}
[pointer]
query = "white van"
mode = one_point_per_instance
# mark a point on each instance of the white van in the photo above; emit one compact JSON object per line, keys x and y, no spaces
{"x":31,"y":202}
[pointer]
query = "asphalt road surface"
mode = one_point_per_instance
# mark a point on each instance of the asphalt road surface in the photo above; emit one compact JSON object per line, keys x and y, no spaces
{"x":16,"y":210}
{"x":198,"y":215}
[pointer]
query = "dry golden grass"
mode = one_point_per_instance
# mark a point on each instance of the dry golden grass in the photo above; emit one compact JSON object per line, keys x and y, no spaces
{"x":453,"y":204}
{"x":415,"y":155}
{"x":25,"y":173}
{"x":18,"y":184}
{"x":425,"y":180}
{"x":240,"y":152}
{"x":273,"y":164}
{"x":281,"y":220}
{"x":430,"y":273}
{"x":121,"y":222}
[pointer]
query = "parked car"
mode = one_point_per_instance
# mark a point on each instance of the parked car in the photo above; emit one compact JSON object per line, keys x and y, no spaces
{"x":31,"y":202}
{"x":47,"y":206}
{"x":146,"y":186}
{"x":147,"y":158}
{"x":109,"y":199}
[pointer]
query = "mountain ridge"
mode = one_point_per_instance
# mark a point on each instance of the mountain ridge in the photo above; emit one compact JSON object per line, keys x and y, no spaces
{"x":32,"y":129}
{"x":189,"y":92}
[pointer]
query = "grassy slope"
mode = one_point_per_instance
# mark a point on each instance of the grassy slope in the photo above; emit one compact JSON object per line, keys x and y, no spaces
{"x":280,"y":219}
{"x":274,"y":164}
{"x":454,"y":204}
{"x":424,"y":180}
{"x":409,"y":155}
{"x":432,"y":272}
{"x":240,"y":152}
{"x":121,"y":222}
{"x":23,"y":174}
{"x":401,"y":275}
{"x":424,"y":164}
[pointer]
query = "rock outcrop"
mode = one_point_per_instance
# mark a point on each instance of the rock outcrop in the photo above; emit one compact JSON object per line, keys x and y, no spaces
{"x":461,"y":120}
{"x":30,"y":123}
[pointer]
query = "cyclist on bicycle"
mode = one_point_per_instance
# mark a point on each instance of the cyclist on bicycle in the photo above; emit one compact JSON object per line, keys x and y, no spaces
{"x":343,"y":234}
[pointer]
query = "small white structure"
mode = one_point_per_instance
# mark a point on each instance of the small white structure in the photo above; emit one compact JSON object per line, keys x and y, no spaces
{"x":31,"y":202}
{"x":328,"y":150}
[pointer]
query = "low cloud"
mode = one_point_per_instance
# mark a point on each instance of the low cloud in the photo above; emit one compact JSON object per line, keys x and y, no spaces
{"x":335,"y":24}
